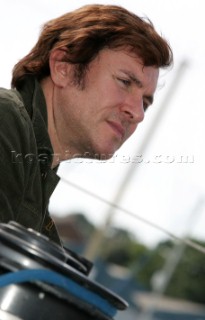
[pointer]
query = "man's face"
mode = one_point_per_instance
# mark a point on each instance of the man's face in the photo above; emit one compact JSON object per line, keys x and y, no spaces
{"x":96,"y":120}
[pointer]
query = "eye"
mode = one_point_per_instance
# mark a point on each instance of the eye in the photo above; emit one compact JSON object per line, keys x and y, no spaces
{"x":125,"y":82}
{"x":145,"y":105}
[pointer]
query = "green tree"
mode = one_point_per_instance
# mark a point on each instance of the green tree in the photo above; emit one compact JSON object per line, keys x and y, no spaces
{"x":121,"y":247}
{"x":187,"y":281}
{"x":189,"y":277}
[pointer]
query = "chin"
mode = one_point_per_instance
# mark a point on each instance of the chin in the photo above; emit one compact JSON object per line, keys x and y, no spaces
{"x":105,"y":156}
{"x":98,"y":155}
{"x":106,"y":153}
{"x":100,"y":152}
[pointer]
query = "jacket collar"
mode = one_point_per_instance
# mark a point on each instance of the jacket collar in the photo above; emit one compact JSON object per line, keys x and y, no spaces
{"x":35,"y":104}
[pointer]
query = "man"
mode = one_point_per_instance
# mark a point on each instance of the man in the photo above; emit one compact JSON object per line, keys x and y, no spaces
{"x":80,"y":92}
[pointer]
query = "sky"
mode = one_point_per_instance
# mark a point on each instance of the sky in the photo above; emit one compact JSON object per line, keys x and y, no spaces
{"x":166,"y":186}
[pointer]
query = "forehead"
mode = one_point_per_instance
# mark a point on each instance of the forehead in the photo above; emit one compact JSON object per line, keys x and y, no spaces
{"x":123,"y":62}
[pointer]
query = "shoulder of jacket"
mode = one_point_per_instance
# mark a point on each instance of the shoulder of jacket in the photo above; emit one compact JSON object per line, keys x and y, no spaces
{"x":11,"y":103}
{"x":10,"y":96}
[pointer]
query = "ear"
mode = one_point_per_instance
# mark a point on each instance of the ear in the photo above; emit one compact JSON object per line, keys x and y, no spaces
{"x":59,"y":68}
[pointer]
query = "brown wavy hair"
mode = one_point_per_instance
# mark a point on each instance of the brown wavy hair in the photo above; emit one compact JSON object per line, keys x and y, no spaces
{"x":86,"y":31}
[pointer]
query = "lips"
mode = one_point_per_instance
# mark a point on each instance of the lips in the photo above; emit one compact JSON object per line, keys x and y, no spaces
{"x":117,"y":128}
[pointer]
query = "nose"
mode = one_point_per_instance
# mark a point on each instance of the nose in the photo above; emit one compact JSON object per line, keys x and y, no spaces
{"x":133,"y":109}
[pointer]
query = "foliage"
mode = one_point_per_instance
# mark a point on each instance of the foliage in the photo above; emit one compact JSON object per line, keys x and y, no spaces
{"x":187,"y":281}
{"x":121,"y":247}
{"x":189,"y":278}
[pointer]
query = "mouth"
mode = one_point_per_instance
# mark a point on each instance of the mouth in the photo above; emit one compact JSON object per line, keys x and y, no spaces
{"x":117,"y":128}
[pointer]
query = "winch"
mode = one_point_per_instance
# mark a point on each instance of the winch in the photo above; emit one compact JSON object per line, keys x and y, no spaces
{"x":42,"y":280}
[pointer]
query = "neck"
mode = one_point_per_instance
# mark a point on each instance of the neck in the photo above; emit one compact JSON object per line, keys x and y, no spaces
{"x":48,"y":90}
{"x":61,"y":151}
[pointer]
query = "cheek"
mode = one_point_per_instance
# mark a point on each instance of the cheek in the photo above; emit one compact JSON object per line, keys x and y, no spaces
{"x":108,"y":88}
{"x":113,"y":95}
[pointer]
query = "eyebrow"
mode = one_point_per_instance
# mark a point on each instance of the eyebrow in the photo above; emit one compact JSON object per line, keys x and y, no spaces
{"x":132,"y":77}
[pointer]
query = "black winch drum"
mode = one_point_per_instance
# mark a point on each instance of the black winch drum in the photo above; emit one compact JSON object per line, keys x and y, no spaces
{"x":40,"y":280}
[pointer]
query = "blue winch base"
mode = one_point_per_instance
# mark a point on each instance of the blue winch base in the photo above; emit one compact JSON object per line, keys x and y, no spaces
{"x":56,"y":279}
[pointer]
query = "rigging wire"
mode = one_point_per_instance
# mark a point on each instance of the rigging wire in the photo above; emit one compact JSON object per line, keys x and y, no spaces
{"x":186,"y":241}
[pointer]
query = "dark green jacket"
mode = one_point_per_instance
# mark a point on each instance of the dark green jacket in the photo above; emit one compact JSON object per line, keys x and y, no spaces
{"x":26,"y":178}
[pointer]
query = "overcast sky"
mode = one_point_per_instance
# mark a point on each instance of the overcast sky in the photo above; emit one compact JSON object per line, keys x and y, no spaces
{"x":167,"y":187}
